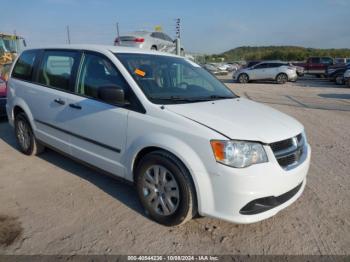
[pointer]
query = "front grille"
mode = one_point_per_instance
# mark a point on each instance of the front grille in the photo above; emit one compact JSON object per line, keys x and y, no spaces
{"x":289,"y":152}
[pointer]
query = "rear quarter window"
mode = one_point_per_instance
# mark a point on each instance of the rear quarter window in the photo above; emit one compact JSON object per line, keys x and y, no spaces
{"x":23,"y":69}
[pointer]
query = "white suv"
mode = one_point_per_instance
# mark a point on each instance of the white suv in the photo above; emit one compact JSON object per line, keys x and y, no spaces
{"x":279,"y":71}
{"x":188,"y":143}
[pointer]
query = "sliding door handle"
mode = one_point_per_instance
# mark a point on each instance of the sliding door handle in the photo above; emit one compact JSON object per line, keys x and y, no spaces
{"x":59,"y":101}
{"x":75,"y":106}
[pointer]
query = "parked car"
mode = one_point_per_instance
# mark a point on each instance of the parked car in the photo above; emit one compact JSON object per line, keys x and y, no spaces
{"x":347,"y":78}
{"x":233,"y":66}
{"x":227,"y":67}
{"x":3,"y":90}
{"x":337,"y":65}
{"x":342,"y":61}
{"x":316,"y":65}
{"x":224,"y":67}
{"x":336,"y":74}
{"x":187,"y":142}
{"x":267,"y":70}
{"x":214,"y":69}
{"x":148,"y":40}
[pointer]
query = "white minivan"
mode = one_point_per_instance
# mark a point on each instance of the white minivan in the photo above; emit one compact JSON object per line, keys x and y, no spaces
{"x":187,"y":142}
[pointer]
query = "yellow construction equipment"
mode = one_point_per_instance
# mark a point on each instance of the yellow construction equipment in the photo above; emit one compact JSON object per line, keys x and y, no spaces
{"x":10,"y":47}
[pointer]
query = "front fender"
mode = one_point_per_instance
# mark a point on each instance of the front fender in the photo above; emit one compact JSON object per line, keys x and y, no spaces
{"x":182,"y":151}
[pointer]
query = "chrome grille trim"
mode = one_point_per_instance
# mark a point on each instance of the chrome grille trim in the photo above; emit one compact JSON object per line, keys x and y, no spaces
{"x":289,"y":152}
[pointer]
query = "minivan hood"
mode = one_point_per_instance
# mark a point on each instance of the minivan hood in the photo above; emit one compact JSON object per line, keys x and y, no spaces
{"x":241,"y":119}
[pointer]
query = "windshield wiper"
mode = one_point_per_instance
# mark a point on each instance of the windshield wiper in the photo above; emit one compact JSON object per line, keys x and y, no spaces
{"x":192,"y":99}
{"x":181,"y":99}
{"x":215,"y":97}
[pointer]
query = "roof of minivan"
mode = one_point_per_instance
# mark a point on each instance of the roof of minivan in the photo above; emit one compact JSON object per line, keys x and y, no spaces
{"x":104,"y":48}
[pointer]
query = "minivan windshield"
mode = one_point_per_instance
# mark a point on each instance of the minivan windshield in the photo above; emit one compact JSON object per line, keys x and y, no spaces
{"x":173,"y":80}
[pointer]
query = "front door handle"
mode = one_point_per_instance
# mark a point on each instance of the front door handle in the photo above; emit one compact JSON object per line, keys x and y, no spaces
{"x":59,"y":101}
{"x":75,"y":106}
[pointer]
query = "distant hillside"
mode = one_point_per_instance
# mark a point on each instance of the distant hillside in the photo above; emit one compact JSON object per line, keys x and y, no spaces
{"x":289,"y":53}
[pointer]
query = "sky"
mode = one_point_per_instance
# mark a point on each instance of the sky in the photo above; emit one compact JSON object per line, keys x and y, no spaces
{"x":207,"y":26}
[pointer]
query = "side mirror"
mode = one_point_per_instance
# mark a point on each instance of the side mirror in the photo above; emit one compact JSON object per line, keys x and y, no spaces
{"x":112,"y":94}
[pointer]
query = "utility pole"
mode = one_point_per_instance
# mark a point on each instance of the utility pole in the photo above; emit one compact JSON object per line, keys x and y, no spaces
{"x":118,"y":35}
{"x":68,"y":34}
{"x":178,"y":36}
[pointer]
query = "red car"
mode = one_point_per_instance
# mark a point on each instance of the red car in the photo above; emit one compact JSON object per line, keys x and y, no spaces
{"x":3,"y":89}
{"x":316,"y":65}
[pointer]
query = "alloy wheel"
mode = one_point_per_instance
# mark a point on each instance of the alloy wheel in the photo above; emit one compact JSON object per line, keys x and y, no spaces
{"x":282,"y":78}
{"x":160,"y":190}
{"x":23,"y":134}
{"x":243,"y":78}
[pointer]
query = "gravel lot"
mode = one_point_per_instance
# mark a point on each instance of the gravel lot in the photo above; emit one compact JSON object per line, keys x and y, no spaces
{"x":60,"y":207}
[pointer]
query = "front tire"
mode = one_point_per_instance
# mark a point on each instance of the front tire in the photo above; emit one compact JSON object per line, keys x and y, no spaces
{"x":339,"y":80}
{"x":165,"y":189}
{"x":25,"y":138}
{"x":243,"y":78}
{"x":281,"y":78}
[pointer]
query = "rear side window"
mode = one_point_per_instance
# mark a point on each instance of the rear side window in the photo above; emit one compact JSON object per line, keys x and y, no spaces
{"x":56,"y":69}
{"x":167,"y":38}
{"x":157,"y":35}
{"x":24,"y":67}
{"x":274,"y":65}
{"x":261,"y":66}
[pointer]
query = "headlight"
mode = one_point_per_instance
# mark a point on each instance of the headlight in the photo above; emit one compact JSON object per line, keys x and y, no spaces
{"x":238,"y":153}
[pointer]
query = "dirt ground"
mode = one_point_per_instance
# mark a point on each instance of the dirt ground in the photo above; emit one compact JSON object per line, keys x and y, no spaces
{"x":65,"y":208}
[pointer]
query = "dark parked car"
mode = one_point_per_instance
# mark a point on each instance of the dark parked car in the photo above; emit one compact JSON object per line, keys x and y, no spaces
{"x":336,"y":74}
{"x":2,"y":97}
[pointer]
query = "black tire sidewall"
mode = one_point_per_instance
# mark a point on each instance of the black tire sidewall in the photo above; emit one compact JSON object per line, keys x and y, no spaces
{"x":337,"y":80}
{"x":285,"y":79}
{"x":180,"y":174}
{"x":22,"y":117}
{"x":241,"y":75}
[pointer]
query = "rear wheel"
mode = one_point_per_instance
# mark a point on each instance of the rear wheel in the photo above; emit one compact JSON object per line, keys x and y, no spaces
{"x":243,"y":78}
{"x":165,"y":189}
{"x":153,"y":47}
{"x":25,"y":137}
{"x":281,"y":78}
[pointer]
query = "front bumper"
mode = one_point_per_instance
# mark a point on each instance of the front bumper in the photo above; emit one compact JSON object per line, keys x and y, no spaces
{"x":293,"y":77}
{"x":3,"y":107}
{"x":233,"y":189}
